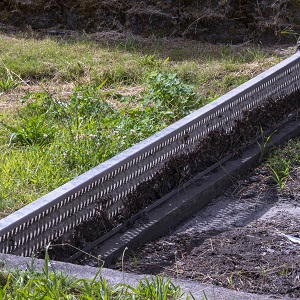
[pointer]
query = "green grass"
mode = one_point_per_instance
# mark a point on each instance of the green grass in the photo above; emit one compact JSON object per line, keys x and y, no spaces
{"x":87,"y":61}
{"x":72,"y":104}
{"x":284,"y":160}
{"x":53,"y":284}
{"x":46,"y":142}
{"x":56,"y":285}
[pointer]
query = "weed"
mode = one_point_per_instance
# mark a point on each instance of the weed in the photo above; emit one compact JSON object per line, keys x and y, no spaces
{"x":53,"y":284}
{"x":149,"y":60}
{"x":230,"y":281}
{"x":285,"y":270}
{"x":174,"y":97}
{"x":32,"y":131}
{"x":157,"y":288}
{"x":280,"y":170}
{"x":265,"y":140}
{"x":8,"y":81}
{"x":290,"y":151}
{"x":135,"y":263}
{"x":281,"y":161}
{"x":256,"y":53}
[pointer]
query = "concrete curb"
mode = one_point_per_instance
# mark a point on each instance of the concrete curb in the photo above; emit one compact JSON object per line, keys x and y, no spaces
{"x":198,"y":290}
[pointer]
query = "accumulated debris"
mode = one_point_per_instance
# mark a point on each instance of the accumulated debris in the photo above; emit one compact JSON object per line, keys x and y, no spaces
{"x":254,"y":258}
{"x":179,"y":169}
{"x":246,"y":240}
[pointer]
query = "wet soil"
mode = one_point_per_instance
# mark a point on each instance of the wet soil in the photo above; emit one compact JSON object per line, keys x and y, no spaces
{"x":243,"y":240}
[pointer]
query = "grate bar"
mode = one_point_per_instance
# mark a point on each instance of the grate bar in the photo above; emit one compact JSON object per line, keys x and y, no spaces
{"x":35,"y":225}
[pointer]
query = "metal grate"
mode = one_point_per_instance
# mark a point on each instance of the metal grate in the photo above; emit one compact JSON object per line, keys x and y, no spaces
{"x":35,"y":225}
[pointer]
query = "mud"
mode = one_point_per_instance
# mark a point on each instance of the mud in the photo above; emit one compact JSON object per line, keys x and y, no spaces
{"x":240,"y":241}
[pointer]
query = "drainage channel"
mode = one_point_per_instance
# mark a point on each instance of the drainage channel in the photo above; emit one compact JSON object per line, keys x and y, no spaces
{"x":131,"y":188}
{"x":163,"y":216}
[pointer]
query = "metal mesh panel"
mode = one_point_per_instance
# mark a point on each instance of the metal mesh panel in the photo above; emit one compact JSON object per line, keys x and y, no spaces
{"x":35,"y":225}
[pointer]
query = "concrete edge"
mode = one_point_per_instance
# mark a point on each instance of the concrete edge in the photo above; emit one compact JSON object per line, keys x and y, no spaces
{"x":199,"y":291}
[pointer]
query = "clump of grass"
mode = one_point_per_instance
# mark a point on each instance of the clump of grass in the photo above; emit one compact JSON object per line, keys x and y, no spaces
{"x":280,"y":171}
{"x":34,"y":127}
{"x":158,"y":288}
{"x":56,"y":285}
{"x":8,"y":81}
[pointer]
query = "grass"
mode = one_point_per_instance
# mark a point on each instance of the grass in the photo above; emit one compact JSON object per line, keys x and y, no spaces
{"x":53,"y":284}
{"x":68,"y":105}
{"x":8,"y":81}
{"x":52,"y":140}
{"x":283,"y":161}
{"x":56,"y":285}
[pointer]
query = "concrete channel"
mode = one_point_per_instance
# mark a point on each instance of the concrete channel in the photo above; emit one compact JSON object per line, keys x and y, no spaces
{"x":161,"y":219}
{"x":189,"y":199}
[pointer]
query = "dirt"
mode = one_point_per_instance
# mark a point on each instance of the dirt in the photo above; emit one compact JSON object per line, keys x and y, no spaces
{"x":240,"y":241}
{"x":226,"y":21}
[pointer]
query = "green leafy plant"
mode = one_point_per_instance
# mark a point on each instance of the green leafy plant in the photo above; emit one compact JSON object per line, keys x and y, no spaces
{"x":150,"y":60}
{"x":168,"y":92}
{"x":158,"y":288}
{"x":280,"y":171}
{"x":34,"y":124}
{"x":264,"y":142}
{"x":53,"y":284}
{"x":283,"y":160}
{"x":32,"y":131}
